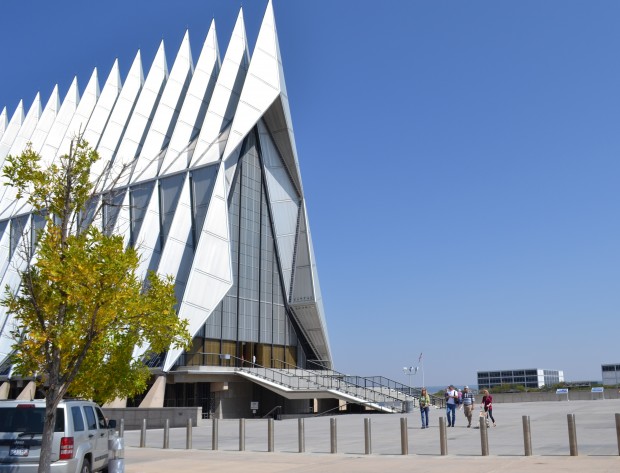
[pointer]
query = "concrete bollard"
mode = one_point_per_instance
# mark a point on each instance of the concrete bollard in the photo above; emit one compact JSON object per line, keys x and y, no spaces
{"x":214,"y":434}
{"x":270,"y":435}
{"x":166,"y":434}
{"x":333,"y":427}
{"x":484,"y":437}
{"x":443,"y":436}
{"x":572,"y":435}
{"x":241,"y":435}
{"x":121,"y":430}
{"x":143,"y":434}
{"x":301,"y":436}
{"x":404,"y":437}
{"x":367,"y":437}
{"x":618,"y":431}
{"x":188,"y":435}
{"x":527,"y":436}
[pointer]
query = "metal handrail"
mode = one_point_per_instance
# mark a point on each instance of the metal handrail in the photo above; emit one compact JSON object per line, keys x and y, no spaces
{"x":412,"y":391}
{"x":305,"y":379}
{"x":314,"y":379}
{"x":387,"y":383}
{"x":361,"y":382}
{"x":279,"y":408}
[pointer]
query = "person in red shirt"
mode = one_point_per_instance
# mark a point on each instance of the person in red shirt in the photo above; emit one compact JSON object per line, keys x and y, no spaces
{"x":487,"y":403}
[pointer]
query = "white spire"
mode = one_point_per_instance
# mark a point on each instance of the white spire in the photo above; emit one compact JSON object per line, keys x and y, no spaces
{"x":103,"y":109}
{"x":141,"y":117}
{"x":3,"y":122}
{"x":223,"y":104}
{"x":116,"y":125}
{"x":166,"y":115}
{"x":195,"y":105}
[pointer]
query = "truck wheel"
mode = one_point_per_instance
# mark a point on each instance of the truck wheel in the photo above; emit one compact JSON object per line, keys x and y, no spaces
{"x":85,"y":466}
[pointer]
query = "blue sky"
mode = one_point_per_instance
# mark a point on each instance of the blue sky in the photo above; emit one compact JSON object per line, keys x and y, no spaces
{"x":461,"y":162}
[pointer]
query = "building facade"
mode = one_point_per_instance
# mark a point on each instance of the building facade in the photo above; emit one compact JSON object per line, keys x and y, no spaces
{"x":529,"y":378}
{"x":198,"y":169}
{"x":611,"y":374}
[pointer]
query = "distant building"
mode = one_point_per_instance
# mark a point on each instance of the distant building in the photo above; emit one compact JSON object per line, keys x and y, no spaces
{"x":530,"y":378}
{"x":611,"y":374}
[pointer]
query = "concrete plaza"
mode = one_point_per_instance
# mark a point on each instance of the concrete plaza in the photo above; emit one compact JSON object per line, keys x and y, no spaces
{"x":596,"y":439}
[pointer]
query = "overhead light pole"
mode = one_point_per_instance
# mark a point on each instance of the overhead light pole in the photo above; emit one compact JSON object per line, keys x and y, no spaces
{"x":410,"y":371}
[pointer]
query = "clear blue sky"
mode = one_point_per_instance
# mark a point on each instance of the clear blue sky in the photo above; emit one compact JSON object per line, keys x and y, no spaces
{"x":461,"y":162}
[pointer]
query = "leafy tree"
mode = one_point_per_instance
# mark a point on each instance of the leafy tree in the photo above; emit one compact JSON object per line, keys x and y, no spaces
{"x":81,"y":308}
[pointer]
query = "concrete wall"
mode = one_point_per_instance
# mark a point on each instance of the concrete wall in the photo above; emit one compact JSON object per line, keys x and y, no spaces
{"x":611,"y":393}
{"x":235,"y":402}
{"x":155,"y":417}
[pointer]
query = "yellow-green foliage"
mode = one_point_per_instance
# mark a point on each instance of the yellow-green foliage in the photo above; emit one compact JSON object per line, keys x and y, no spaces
{"x":81,"y":308}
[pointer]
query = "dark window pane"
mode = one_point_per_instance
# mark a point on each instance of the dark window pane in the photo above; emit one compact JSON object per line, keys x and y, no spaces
{"x":78,"y":420}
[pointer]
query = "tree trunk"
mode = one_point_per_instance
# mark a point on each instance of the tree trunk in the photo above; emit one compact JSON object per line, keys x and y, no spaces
{"x":54,"y":393}
{"x":51,"y":403}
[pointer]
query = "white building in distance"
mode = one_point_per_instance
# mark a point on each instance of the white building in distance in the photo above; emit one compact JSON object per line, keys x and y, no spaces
{"x":611,"y":374}
{"x":530,"y":378}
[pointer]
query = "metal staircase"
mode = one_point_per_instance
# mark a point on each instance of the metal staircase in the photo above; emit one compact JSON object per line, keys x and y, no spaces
{"x":375,"y":392}
{"x":296,"y":383}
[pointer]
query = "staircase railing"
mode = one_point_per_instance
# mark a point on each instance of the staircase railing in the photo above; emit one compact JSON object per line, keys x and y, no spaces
{"x":365,"y":384}
{"x":276,"y":411}
{"x":410,"y":390}
{"x":299,"y":378}
{"x":376,"y":390}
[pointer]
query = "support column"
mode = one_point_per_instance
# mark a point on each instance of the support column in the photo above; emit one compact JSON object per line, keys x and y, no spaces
{"x":28,"y":392}
{"x":155,"y":396}
{"x":118,"y":403}
{"x":4,"y":390}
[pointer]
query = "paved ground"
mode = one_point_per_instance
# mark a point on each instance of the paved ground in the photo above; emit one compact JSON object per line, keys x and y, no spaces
{"x":596,"y":436}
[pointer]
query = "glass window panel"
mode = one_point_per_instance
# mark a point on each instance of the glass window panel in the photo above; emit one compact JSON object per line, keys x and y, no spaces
{"x":18,"y":226}
{"x":212,"y":348}
{"x":87,"y":215}
{"x":139,"y":201}
{"x":78,"y":420}
{"x":3,"y":226}
{"x":169,"y":192}
{"x":278,"y":356}
{"x":112,"y":204}
{"x":91,"y":420}
{"x":38,"y":224}
{"x":291,"y":355}
{"x":203,"y":181}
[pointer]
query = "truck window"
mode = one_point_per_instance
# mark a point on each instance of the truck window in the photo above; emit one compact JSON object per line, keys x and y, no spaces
{"x":28,"y":419}
{"x":101,"y":418}
{"x":78,"y":420}
{"x":91,"y":420}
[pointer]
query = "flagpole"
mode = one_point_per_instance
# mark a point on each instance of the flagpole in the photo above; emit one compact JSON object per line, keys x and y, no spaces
{"x":421,"y":363}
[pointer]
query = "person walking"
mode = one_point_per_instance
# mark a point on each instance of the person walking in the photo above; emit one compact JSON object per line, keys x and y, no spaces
{"x":425,"y":402}
{"x":469,"y":402}
{"x":452,"y":397}
{"x":487,"y":404}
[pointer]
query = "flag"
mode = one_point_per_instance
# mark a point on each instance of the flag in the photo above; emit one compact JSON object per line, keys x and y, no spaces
{"x":420,"y":359}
